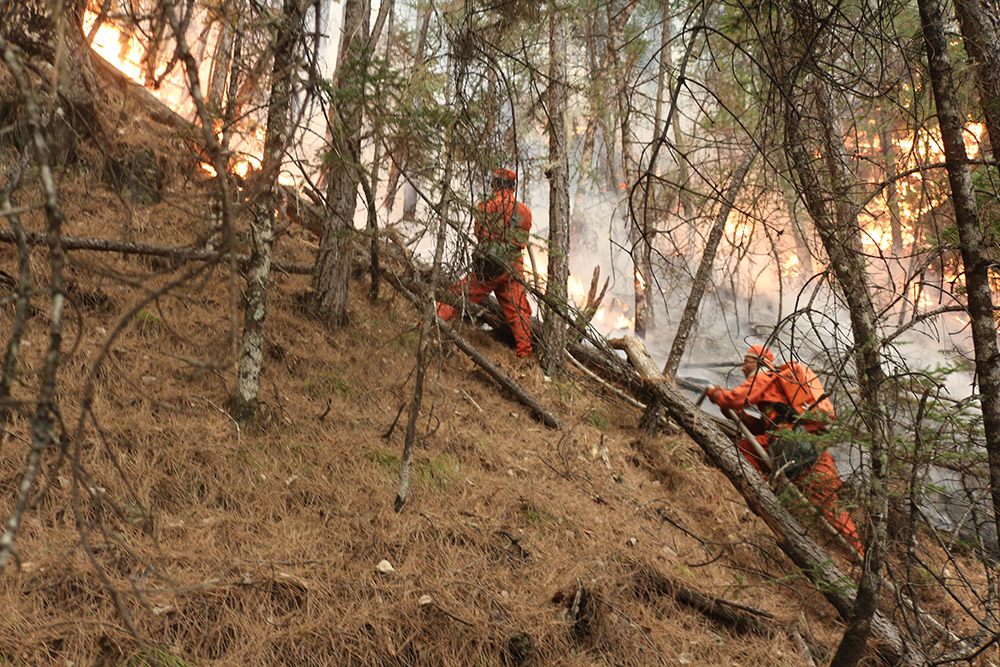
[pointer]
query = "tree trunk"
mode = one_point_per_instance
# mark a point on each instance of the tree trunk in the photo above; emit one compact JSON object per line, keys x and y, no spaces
{"x":553,"y":333}
{"x":332,"y":265}
{"x":700,"y":283}
{"x":222,"y":61}
{"x":975,"y":255}
{"x":429,"y":312}
{"x":663,"y":80}
{"x":841,"y":235}
{"x":888,"y":151}
{"x":258,"y":271}
{"x":401,"y":164}
{"x":979,"y":21}
{"x":800,"y":235}
{"x":45,"y":419}
{"x":638,"y":227}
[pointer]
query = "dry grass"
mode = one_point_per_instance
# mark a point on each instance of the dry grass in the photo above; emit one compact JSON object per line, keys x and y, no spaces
{"x":227,"y":546}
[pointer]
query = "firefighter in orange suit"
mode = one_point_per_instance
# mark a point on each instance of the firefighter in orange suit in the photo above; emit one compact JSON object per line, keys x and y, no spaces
{"x":782,"y":396}
{"x":502,"y":224}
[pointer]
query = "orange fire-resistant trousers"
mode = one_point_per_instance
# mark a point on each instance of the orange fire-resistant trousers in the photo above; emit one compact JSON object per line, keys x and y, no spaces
{"x":513,"y":301}
{"x":819,"y":483}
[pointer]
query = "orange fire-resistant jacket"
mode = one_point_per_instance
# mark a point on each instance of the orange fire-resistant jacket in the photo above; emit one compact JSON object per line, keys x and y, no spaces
{"x":760,"y":388}
{"x":502,"y":218}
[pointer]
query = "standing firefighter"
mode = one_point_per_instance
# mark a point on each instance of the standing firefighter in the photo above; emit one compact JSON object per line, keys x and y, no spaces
{"x":502,"y":224}
{"x":793,"y":409}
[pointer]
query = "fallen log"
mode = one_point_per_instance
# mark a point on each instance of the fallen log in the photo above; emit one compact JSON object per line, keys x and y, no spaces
{"x":410,"y":285}
{"x":637,"y":354}
{"x":794,"y":541}
{"x":736,"y":617}
{"x":537,"y":409}
{"x":609,"y":368}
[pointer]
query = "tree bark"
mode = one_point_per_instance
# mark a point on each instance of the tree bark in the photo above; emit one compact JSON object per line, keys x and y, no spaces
{"x":979,"y":21}
{"x":330,"y":281}
{"x":700,"y":283}
{"x":975,"y":255}
{"x":427,"y":298}
{"x":639,"y":233}
{"x":44,"y":420}
{"x":258,"y":270}
{"x":841,"y":235}
{"x":222,"y":61}
{"x":553,"y":333}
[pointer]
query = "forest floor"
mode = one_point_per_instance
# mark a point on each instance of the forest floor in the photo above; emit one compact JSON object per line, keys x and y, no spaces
{"x":161,"y":533}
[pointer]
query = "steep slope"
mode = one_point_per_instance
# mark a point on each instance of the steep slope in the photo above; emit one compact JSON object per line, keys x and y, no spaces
{"x":161,"y":533}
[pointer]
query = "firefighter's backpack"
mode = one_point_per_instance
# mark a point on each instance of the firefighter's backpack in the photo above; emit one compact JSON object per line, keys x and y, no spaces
{"x":491,"y":259}
{"x":805,"y":392}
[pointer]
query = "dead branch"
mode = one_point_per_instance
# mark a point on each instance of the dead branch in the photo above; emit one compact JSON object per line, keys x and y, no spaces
{"x":741,"y":618}
{"x":639,"y":357}
{"x":148,"y":249}
{"x":409,"y":285}
{"x":604,"y":384}
{"x":538,"y":410}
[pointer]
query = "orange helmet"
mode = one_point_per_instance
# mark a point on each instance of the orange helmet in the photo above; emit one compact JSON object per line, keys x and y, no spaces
{"x":760,"y":352}
{"x":504,"y":179}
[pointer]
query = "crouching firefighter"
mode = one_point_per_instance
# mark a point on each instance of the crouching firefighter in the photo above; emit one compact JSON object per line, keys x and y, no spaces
{"x":793,"y":409}
{"x":502,"y":224}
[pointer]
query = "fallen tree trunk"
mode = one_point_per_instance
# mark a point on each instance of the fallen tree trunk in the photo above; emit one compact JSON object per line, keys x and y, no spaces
{"x":537,"y":409}
{"x":737,"y":617}
{"x":410,"y":285}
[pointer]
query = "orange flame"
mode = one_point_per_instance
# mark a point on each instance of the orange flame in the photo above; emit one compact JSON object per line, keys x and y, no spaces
{"x":126,"y":53}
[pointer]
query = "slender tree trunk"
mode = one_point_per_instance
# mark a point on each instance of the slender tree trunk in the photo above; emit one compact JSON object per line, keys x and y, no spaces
{"x":423,"y":346}
{"x":841,"y":235}
{"x":232,"y":94}
{"x":701,"y":277}
{"x":387,"y":12}
{"x":664,"y":79}
{"x":429,"y":313}
{"x":979,"y":21}
{"x":45,"y":419}
{"x":799,"y":234}
{"x":553,"y":334}
{"x":221,"y":65}
{"x":638,"y":226}
{"x":258,"y":271}
{"x":888,"y":151}
{"x":401,"y":163}
{"x":330,"y":282}
{"x":581,"y":230}
{"x":975,"y":255}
